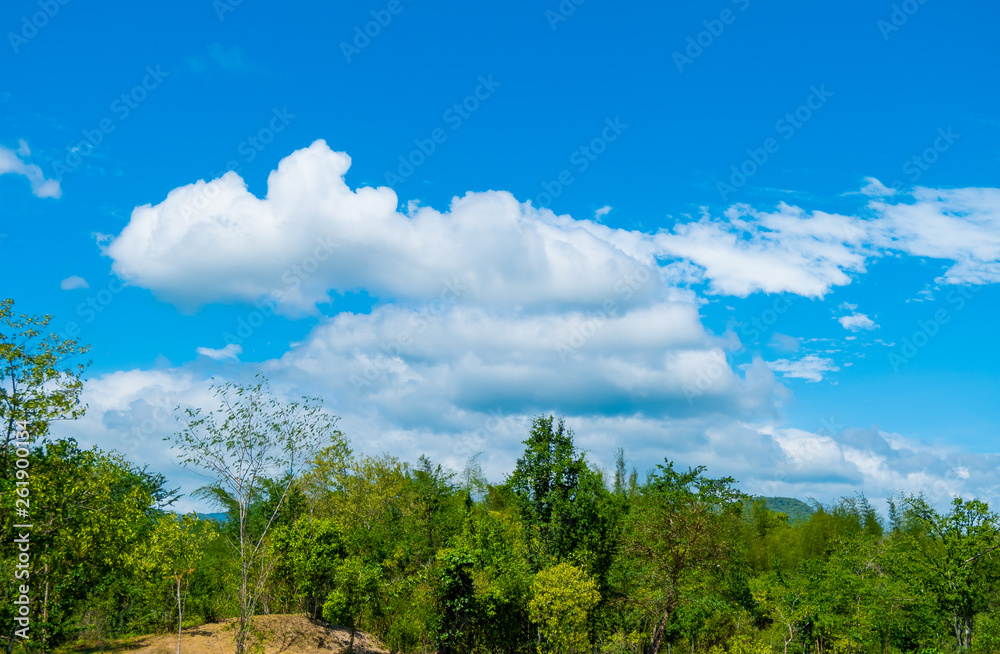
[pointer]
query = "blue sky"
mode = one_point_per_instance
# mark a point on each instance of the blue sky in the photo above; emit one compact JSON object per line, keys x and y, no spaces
{"x":764,"y":237}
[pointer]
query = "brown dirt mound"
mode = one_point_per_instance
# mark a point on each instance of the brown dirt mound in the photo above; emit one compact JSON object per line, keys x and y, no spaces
{"x":284,"y":634}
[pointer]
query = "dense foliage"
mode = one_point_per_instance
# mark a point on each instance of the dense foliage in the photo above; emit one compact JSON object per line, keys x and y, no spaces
{"x":555,"y":559}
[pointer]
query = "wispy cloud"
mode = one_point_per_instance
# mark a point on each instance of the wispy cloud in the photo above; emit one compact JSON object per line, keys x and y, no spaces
{"x":15,"y":162}
{"x":231,"y":351}
{"x":857,"y":322}
{"x":875,"y":188}
{"x":73,"y":282}
{"x":810,"y":367}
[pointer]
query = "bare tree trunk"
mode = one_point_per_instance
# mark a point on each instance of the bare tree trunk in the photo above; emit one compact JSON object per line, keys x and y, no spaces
{"x":45,"y":607}
{"x":654,"y":646}
{"x":963,"y":631}
{"x":180,"y":614}
{"x":45,"y":597}
{"x":242,"y":628}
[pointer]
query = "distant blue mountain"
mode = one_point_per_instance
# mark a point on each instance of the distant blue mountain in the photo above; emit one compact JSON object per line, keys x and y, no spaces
{"x":218,"y":517}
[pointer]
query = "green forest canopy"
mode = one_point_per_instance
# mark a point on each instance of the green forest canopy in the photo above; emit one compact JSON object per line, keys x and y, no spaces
{"x":432,"y":561}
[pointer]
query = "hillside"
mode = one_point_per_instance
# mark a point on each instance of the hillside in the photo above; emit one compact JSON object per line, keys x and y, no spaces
{"x":796,"y":510}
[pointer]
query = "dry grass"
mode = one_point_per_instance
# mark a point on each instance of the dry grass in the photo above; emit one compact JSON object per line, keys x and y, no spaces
{"x":284,"y":634}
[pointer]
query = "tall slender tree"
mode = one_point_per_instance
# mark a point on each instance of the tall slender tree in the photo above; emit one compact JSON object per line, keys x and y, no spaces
{"x":546,"y":481}
{"x":250,"y":439}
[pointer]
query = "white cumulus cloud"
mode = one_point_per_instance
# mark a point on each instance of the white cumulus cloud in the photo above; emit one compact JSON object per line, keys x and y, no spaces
{"x":655,"y":359}
{"x":215,"y":241}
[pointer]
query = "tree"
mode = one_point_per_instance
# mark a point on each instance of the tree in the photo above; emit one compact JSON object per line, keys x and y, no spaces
{"x":328,"y":471}
{"x":37,"y":385}
{"x":545,"y":481}
{"x":251,"y":437}
{"x":958,"y":555}
{"x":784,"y":600}
{"x":91,"y":512}
{"x":309,"y":553}
{"x":675,"y":529}
{"x":367,"y":499}
{"x":483,"y":586}
{"x":456,"y":599}
{"x":432,"y":488}
{"x":173,"y":551}
{"x":356,"y":590}
{"x":562,"y":596}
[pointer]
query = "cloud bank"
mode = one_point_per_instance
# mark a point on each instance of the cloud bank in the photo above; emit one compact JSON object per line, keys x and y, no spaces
{"x":133,"y":411}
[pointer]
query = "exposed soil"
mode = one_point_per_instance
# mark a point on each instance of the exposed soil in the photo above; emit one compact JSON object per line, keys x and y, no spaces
{"x":284,"y":634}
